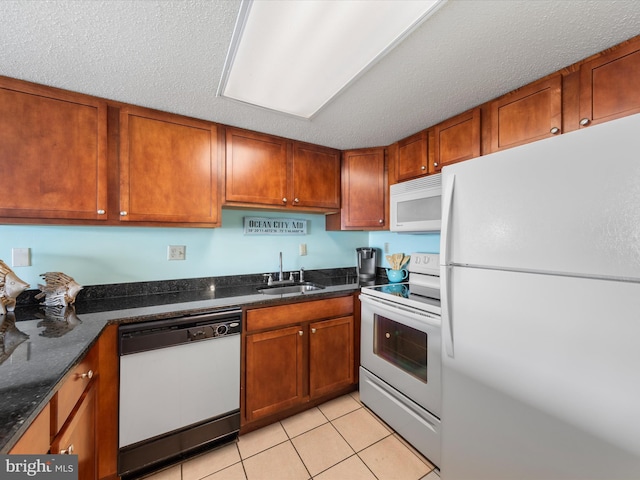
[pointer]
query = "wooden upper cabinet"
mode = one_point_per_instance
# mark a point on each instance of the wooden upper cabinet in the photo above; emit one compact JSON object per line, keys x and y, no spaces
{"x":610,"y":84}
{"x":256,"y":168}
{"x":457,"y":139}
{"x":267,"y":171}
{"x":528,"y":114}
{"x":364,"y":186}
{"x":412,"y":157}
{"x":53,"y":147}
{"x":168,"y":168}
{"x":315,"y":176}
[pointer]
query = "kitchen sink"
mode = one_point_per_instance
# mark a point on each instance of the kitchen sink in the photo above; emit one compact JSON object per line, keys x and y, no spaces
{"x":296,"y":288}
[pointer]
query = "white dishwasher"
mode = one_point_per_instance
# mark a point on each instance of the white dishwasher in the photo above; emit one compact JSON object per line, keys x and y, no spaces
{"x":179,"y":388}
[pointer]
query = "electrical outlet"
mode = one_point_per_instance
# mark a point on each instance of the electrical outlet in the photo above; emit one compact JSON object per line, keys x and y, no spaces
{"x":303,"y":249}
{"x":176,"y":252}
{"x":20,"y":257}
{"x":386,"y":247}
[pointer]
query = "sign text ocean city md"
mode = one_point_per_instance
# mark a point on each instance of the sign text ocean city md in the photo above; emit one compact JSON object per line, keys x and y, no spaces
{"x":274,"y":226}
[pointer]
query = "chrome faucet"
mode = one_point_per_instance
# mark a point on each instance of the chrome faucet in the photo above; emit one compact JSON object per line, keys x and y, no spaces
{"x":281,"y":280}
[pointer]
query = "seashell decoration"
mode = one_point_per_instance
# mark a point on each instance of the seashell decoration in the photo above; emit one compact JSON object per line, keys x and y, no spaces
{"x":10,"y":287}
{"x":60,"y":289}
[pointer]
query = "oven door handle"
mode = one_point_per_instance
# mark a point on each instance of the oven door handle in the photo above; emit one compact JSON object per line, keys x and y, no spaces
{"x":392,"y":308}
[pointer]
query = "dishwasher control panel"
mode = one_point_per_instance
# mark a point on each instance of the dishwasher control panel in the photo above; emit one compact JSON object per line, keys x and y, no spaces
{"x":164,"y":333}
{"x":213,"y":330}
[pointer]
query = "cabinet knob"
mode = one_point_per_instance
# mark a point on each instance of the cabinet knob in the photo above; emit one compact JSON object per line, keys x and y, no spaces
{"x":554,"y":130}
{"x":300,"y":332}
{"x":387,"y":335}
{"x":124,"y":214}
{"x":423,"y":167}
{"x":101,"y":212}
{"x":313,"y":330}
{"x":284,"y":200}
{"x":435,"y":164}
{"x":584,"y":122}
{"x":67,"y":451}
{"x":381,"y":221}
{"x":296,"y":200}
{"x":88,"y":374}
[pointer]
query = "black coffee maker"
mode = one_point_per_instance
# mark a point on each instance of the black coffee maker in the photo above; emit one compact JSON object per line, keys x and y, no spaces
{"x":366,"y":266}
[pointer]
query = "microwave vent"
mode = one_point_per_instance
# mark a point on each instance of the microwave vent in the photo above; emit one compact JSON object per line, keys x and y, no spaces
{"x":430,"y":181}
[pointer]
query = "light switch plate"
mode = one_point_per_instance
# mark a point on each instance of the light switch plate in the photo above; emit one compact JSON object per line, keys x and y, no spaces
{"x":176,"y":252}
{"x":21,"y":257}
{"x":303,"y":249}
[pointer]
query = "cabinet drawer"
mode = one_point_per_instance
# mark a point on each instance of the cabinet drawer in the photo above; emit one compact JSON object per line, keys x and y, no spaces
{"x":72,"y":389}
{"x":272,"y":317}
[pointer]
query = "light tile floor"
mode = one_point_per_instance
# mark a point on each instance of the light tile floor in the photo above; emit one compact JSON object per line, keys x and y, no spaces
{"x":338,"y":440}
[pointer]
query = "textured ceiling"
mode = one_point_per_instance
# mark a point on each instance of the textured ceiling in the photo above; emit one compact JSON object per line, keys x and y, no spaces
{"x":169,"y":55}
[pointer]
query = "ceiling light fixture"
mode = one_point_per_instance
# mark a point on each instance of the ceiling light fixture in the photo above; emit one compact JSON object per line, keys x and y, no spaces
{"x":295,"y":56}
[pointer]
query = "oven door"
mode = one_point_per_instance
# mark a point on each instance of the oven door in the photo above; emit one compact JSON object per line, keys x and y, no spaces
{"x":401,"y":345}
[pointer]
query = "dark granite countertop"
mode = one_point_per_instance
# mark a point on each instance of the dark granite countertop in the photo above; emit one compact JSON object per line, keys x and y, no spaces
{"x":39,"y":346}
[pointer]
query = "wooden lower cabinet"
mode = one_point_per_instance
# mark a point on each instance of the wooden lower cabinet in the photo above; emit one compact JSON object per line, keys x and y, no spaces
{"x":274,"y":381}
{"x":331,"y":355}
{"x":37,"y":439}
{"x":78,"y":435}
{"x":82,"y":416}
{"x":295,"y":355}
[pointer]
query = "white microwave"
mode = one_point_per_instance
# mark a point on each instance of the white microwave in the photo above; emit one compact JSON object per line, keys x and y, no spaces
{"x":416,"y":205}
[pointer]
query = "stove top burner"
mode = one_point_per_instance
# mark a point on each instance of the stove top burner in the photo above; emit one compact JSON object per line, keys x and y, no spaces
{"x":417,"y":296}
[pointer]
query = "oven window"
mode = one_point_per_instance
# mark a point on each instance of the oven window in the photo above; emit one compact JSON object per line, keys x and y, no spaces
{"x":403,"y":346}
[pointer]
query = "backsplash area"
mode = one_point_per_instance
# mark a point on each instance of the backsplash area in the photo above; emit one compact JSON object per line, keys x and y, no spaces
{"x":111,"y":255}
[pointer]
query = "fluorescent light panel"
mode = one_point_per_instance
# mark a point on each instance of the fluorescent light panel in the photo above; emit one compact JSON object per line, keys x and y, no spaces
{"x":295,"y":56}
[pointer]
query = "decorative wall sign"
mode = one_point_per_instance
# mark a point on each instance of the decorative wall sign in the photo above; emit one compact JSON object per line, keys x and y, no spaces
{"x":274,"y":226}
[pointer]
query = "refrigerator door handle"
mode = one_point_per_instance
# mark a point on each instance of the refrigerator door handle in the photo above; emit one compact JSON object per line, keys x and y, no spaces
{"x":447,"y":201}
{"x":445,"y":270}
{"x":447,"y":319}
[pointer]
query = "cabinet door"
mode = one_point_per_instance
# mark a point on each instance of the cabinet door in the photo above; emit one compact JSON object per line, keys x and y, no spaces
{"x":457,"y":139}
{"x":53,"y":148}
{"x":78,"y":436}
{"x":609,"y":85}
{"x":256,"y":168}
{"x":37,"y":438}
{"x":363,"y":192}
{"x":168,"y":168}
{"x":412,"y":158}
{"x":273,"y":371}
{"x":315,"y":179}
{"x":331,"y":355}
{"x":531,"y":113}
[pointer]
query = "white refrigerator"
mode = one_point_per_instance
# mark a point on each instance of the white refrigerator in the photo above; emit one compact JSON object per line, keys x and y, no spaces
{"x":540,"y":252}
